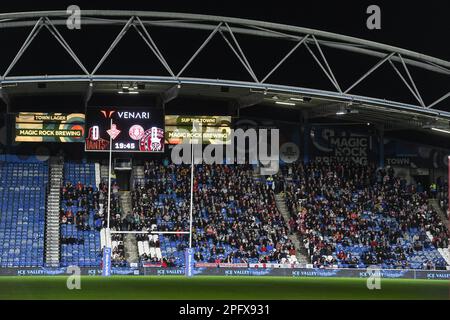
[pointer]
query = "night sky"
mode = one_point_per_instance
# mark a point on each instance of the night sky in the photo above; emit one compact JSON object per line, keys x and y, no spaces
{"x":419,"y":26}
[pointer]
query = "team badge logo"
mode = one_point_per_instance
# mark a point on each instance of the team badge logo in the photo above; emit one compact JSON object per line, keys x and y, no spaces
{"x":94,"y":142}
{"x":136,"y":132}
{"x":113,"y":132}
{"x":152,"y":140}
{"x":107,"y":113}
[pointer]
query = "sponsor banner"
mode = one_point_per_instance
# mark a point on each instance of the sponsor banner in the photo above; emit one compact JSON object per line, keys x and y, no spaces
{"x":49,"y":127}
{"x":207,"y":135}
{"x":233,"y":265}
{"x":41,"y":117}
{"x":398,"y":162}
{"x":189,"y":262}
{"x":289,"y":140}
{"x":283,"y":272}
{"x":164,"y":271}
{"x":272,"y":265}
{"x":214,"y":129}
{"x":206,"y":265}
{"x":63,"y":271}
{"x":289,"y":152}
{"x":151,"y":265}
{"x":207,"y":121}
{"x":413,"y":155}
{"x":129,"y":129}
{"x":125,"y":271}
{"x":106,"y":272}
{"x":435,"y":275}
{"x":329,"y":144}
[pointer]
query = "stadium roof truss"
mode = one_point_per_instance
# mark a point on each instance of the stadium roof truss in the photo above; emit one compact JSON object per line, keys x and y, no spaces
{"x":401,"y":60}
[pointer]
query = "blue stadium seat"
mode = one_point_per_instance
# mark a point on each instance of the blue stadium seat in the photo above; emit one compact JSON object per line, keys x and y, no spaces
{"x":22,"y":213}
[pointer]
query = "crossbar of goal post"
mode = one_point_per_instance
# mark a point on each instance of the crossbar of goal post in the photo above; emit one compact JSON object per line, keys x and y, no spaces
{"x":149,"y":232}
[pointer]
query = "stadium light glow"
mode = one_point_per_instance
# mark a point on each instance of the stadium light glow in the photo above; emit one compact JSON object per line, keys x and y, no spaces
{"x":441,"y":130}
{"x":285,"y":103}
{"x":127,"y":92}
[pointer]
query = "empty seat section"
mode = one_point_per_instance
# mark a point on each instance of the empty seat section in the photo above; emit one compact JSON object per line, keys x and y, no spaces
{"x":22,"y":213}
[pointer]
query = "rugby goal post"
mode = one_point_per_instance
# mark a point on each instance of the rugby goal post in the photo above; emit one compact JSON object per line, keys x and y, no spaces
{"x":106,"y":236}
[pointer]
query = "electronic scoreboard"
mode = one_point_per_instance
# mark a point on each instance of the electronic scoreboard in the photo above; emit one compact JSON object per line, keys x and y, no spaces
{"x":129,"y":129}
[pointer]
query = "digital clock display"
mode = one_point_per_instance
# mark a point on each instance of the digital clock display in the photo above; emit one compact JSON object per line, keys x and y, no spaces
{"x":124,"y":146}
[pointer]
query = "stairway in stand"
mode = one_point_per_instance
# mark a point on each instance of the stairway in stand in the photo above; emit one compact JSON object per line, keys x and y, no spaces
{"x":444,"y":252}
{"x":138,"y":175}
{"x":301,"y":251}
{"x":104,"y":172}
{"x":129,"y":240}
{"x":52,"y":219}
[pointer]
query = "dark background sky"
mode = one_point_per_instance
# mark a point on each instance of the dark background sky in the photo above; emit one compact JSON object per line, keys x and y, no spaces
{"x":419,"y":26}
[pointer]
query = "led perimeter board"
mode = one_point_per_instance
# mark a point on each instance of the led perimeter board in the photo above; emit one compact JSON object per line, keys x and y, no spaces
{"x":213,"y":130}
{"x":49,"y":127}
{"x":136,"y":129}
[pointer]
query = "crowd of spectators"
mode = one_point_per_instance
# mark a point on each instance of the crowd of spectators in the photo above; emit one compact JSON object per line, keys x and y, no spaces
{"x":118,"y":251}
{"x":336,"y":207}
{"x":235,"y":216}
{"x":442,"y":195}
{"x":80,"y":202}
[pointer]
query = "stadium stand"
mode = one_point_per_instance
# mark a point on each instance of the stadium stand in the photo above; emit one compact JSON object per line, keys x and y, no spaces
{"x":442,"y":196}
{"x":80,"y":237}
{"x":349,"y":215}
{"x":236,"y":217}
{"x":118,"y":251}
{"x":22,"y":213}
{"x":149,"y":250}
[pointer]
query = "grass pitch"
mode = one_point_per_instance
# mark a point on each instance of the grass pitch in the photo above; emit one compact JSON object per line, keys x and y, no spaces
{"x":217,"y":287}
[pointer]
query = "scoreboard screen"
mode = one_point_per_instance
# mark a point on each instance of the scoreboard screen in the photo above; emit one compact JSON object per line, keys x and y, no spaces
{"x":130,"y":129}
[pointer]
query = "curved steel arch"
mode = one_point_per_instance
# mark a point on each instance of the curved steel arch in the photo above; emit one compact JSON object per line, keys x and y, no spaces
{"x":227,"y":28}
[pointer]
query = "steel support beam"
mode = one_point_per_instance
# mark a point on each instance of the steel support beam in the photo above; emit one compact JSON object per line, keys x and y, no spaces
{"x":115,"y":14}
{"x":407,"y":84}
{"x":332,"y":80}
{"x":199,"y":49}
{"x":114,"y":44}
{"x":447,"y":95}
{"x":327,"y":65}
{"x":34,"y":32}
{"x":52,"y":29}
{"x":152,"y":45}
{"x":246,"y":66}
{"x":195,"y":21}
{"x":285,"y":58}
{"x":411,"y":80}
{"x":375,"y":67}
